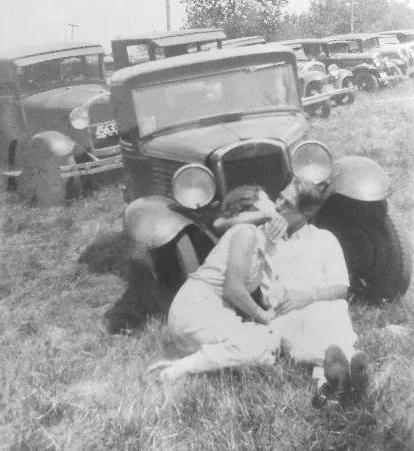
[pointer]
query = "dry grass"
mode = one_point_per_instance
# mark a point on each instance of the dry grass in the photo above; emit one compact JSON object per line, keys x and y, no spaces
{"x":66,"y":384}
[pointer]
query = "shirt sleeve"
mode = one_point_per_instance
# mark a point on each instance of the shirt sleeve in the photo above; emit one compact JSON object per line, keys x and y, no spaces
{"x":334,"y":264}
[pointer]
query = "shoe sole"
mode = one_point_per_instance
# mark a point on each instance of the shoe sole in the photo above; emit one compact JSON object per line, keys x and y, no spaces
{"x":336,"y":369}
{"x":359,"y":375}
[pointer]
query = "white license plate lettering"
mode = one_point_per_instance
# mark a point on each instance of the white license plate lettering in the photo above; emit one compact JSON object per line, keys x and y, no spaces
{"x":106,"y":129}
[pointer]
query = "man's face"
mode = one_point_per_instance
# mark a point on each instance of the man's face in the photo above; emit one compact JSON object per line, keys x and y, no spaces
{"x":287,"y":205}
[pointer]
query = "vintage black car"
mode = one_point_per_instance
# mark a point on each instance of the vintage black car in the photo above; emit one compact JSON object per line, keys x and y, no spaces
{"x":397,"y":53}
{"x":317,"y":87}
{"x":312,"y":56}
{"x":132,"y":50}
{"x":56,"y":120}
{"x":360,"y":53}
{"x":340,"y":78}
{"x":405,"y":39}
{"x":195,"y":126}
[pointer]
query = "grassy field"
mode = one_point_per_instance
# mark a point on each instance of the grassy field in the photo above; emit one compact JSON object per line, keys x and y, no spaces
{"x":66,"y":384}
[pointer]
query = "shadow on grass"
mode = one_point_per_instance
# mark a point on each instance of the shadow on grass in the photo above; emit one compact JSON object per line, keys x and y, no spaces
{"x":144,"y":296}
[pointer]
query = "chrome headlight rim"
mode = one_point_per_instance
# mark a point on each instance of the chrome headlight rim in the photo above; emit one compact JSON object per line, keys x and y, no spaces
{"x":307,"y":167}
{"x":177,"y":191}
{"x":79,"y":118}
{"x":333,"y":70}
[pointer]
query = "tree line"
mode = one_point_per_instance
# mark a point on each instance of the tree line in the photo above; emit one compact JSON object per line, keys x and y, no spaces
{"x":240,"y":18}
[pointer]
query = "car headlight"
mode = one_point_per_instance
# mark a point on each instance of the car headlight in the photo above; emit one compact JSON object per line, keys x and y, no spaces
{"x":193,"y":186}
{"x":312,"y":161}
{"x":79,"y":118}
{"x":333,"y":70}
{"x":377,"y":59}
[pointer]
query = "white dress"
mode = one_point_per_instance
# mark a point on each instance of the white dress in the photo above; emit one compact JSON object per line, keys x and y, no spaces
{"x":200,"y":320}
{"x":313,"y":258}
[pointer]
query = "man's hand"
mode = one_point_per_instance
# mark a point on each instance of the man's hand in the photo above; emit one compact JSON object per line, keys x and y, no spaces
{"x":294,"y":300}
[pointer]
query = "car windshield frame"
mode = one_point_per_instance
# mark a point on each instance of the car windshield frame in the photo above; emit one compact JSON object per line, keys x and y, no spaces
{"x":389,"y":39}
{"x":60,"y":72}
{"x":218,"y":95}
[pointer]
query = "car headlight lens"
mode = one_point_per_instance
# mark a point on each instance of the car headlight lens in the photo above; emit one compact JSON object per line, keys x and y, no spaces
{"x":312,"y":161}
{"x":377,"y":59}
{"x":79,"y":118}
{"x":193,"y":186}
{"x":333,"y":70}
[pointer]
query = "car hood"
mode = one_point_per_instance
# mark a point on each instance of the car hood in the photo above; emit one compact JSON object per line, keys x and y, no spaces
{"x":65,"y":98}
{"x":194,"y":145}
{"x":355,"y":56}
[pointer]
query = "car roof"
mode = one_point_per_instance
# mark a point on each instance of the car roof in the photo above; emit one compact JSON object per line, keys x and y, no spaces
{"x":305,"y":41}
{"x":397,"y":32}
{"x":128,"y":73}
{"x":171,"y":38}
{"x":247,"y":40}
{"x":41,"y":49}
{"x":351,"y":36}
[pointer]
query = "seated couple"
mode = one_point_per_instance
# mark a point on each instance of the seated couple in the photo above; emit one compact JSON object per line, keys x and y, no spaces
{"x":304,"y":282}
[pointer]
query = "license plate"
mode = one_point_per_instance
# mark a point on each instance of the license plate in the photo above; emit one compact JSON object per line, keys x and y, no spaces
{"x":329,"y":88}
{"x":106,"y":129}
{"x":383,"y":75}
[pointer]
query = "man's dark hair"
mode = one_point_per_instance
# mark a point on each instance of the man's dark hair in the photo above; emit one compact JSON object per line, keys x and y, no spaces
{"x":309,"y":195}
{"x":240,"y":199}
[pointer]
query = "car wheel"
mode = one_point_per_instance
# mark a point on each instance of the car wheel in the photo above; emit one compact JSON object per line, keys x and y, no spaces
{"x":375,"y":244}
{"x":346,"y":99}
{"x":322,"y":109}
{"x":394,"y":71}
{"x":367,"y":82}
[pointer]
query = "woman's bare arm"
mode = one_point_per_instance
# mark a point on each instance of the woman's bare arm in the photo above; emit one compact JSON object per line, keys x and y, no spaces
{"x":241,"y":252}
{"x":246,"y":217}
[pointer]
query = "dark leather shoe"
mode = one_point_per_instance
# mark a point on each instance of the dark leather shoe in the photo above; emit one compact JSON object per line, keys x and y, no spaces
{"x":336,"y":368}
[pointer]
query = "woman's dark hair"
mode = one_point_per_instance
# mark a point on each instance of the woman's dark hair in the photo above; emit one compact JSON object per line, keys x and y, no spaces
{"x":240,"y":199}
{"x":309,"y":195}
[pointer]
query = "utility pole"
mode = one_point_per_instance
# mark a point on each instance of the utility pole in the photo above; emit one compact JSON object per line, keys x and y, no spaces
{"x":352,"y":16}
{"x":168,"y":12}
{"x":72,"y":29}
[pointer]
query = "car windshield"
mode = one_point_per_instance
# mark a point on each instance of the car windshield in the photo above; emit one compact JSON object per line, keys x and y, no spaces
{"x":339,"y":47}
{"x":61,"y":72}
{"x":247,"y":90}
{"x":388,"y":39}
{"x":300,"y":54}
{"x":370,"y":44}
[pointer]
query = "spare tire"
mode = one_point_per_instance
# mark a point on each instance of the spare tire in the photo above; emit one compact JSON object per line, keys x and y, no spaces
{"x":376,"y":246}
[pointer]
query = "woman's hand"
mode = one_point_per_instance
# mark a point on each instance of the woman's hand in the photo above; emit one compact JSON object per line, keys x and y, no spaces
{"x":276,"y":228}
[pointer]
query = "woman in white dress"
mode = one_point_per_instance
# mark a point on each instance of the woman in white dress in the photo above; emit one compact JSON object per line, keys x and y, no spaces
{"x":304,"y":282}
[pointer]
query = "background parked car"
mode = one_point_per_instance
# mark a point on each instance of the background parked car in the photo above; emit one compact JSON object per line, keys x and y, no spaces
{"x":397,"y":53}
{"x":129,"y":51}
{"x":360,"y":53}
{"x":195,"y":126}
{"x":56,"y":121}
{"x":406,"y":40}
{"x":339,"y":80}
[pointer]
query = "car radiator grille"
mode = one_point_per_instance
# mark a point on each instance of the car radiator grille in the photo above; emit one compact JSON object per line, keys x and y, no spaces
{"x":261,"y":164}
{"x":162,"y":173}
{"x":103,"y":130}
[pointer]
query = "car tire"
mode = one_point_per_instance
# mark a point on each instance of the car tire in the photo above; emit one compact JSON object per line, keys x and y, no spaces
{"x":375,"y":244}
{"x":367,"y":82}
{"x":395,"y":71}
{"x":321,"y":110}
{"x":346,"y":99}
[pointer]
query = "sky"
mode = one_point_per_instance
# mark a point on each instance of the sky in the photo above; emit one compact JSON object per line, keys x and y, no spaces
{"x":25,"y":22}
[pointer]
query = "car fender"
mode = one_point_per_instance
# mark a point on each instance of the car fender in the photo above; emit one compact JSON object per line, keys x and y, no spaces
{"x":312,"y":77}
{"x":54,"y":143}
{"x":151,"y":222}
{"x":359,"y":178}
{"x":344,"y":73}
{"x":365,"y":67}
